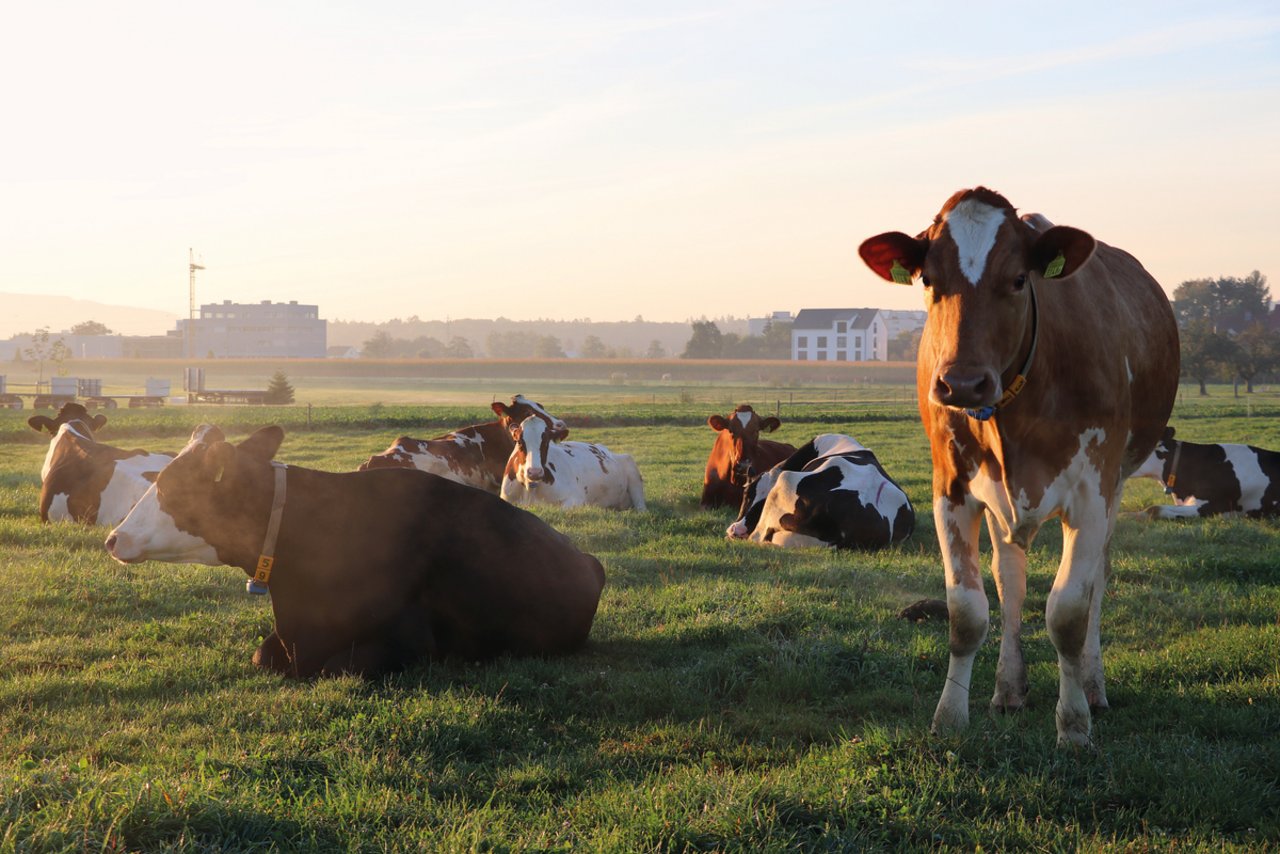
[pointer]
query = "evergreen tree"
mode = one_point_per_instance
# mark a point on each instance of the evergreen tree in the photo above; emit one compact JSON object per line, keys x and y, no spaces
{"x":279,"y":391}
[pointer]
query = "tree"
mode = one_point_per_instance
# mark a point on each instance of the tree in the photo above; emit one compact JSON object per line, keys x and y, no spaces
{"x":1203,"y":351}
{"x":548,"y":347}
{"x":656,"y":350}
{"x":279,"y":391}
{"x":706,"y":342}
{"x":1257,"y":351}
{"x":43,"y":350}
{"x":90,"y":327}
{"x":1228,"y":304}
{"x":593,"y":348}
{"x":458,"y":348}
{"x":904,"y":346}
{"x":380,"y":346}
{"x":512,"y":344}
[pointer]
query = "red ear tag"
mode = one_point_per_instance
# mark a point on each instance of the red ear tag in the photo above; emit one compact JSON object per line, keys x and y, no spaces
{"x":899,"y":273}
{"x":1055,"y":266}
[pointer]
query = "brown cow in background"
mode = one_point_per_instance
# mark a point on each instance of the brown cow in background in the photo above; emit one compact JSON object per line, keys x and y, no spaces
{"x":739,"y":454}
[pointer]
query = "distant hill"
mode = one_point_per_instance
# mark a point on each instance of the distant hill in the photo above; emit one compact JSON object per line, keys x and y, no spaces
{"x":21,"y":313}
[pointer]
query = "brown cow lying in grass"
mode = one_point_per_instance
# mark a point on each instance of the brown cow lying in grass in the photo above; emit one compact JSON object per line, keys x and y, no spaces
{"x":368,"y":571}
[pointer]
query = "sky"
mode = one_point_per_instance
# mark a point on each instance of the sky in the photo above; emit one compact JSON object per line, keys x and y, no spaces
{"x":607,"y":160}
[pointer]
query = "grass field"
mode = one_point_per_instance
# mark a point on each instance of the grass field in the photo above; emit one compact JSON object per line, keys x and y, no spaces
{"x":732,"y":697}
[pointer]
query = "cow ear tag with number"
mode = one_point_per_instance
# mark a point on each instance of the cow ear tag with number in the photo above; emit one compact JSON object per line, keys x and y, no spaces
{"x":899,"y":273}
{"x":1055,"y":267}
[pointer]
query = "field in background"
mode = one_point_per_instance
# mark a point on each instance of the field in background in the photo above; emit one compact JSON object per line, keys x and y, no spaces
{"x":732,"y":697}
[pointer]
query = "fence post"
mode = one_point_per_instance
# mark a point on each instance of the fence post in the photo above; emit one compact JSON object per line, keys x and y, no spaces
{"x":308,"y":416}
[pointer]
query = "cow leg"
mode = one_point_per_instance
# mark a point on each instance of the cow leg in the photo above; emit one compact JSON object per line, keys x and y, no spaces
{"x":1095,"y":688}
{"x":1071,"y":615}
{"x":271,"y":655}
{"x":635,"y":487}
{"x":966,"y":605}
{"x":1009,"y":568}
{"x":403,"y":640}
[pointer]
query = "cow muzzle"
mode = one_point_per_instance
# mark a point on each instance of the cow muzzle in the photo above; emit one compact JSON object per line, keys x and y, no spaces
{"x":966,"y":388}
{"x":118,"y":546}
{"x":535,"y":474}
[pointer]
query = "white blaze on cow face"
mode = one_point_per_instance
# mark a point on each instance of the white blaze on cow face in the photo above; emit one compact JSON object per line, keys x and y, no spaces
{"x":973,"y":226}
{"x":149,"y":533}
{"x":533,"y":439}
{"x":69,"y":427}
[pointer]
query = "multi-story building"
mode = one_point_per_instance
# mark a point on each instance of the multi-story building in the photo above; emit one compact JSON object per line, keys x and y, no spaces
{"x":255,"y":330}
{"x":839,"y":335}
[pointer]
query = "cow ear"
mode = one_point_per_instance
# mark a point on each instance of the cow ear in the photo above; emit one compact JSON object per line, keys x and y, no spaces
{"x":219,"y":461}
{"x":788,"y":522}
{"x":263,"y":443}
{"x":559,"y":434}
{"x":894,"y":256}
{"x":42,"y":422}
{"x":499,"y":408}
{"x":1168,"y":435}
{"x":150,"y":476}
{"x":717,"y":422}
{"x":1061,"y":251}
{"x":770,"y":424}
{"x":99,"y":421}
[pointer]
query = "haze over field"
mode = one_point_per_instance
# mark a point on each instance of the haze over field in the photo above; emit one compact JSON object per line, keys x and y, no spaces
{"x":572,"y":159}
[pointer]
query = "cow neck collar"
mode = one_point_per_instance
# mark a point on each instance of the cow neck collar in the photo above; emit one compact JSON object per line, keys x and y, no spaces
{"x":1173,"y":469}
{"x":1016,"y":385}
{"x":267,"y":558}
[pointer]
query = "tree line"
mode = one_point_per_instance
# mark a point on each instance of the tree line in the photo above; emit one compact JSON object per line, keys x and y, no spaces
{"x":1227,"y":330}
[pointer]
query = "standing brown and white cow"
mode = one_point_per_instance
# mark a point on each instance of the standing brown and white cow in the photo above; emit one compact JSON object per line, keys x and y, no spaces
{"x":739,"y":454}
{"x":1046,"y":373}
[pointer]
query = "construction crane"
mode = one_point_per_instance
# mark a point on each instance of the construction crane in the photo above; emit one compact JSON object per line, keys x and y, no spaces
{"x":192,"y":266}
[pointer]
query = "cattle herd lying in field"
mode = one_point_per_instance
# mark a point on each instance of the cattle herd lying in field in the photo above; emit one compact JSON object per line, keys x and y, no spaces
{"x":1039,"y":399}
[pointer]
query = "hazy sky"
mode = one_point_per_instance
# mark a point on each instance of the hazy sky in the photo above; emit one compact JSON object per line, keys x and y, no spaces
{"x":613,"y":159}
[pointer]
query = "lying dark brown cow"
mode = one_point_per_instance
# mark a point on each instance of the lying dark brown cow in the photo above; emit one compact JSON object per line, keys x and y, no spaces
{"x":739,"y":454}
{"x":475,"y":455}
{"x":1046,"y":372}
{"x":84,"y":480}
{"x":368,"y":571}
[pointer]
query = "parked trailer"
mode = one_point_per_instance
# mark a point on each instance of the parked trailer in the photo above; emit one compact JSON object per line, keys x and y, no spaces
{"x":63,"y":390}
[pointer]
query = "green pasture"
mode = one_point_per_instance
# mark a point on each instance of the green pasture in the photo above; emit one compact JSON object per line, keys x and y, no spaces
{"x":732,"y":697}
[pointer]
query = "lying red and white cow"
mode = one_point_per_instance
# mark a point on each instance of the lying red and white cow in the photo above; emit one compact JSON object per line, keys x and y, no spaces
{"x":84,"y":480}
{"x":1208,"y":480}
{"x":568,"y":474}
{"x":368,"y":571}
{"x":475,"y":455}
{"x":739,"y":454}
{"x":831,"y":492}
{"x":1039,"y":397}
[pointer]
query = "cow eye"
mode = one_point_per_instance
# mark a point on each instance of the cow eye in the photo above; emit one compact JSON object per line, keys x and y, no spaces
{"x":925,"y":281}
{"x":1020,"y":282}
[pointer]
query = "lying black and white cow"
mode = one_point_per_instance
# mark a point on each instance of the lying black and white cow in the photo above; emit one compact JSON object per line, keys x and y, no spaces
{"x":831,"y":492}
{"x":1208,"y":480}
{"x":84,"y":480}
{"x":368,"y":571}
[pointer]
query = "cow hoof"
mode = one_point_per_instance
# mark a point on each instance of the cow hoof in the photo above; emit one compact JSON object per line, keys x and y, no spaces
{"x":924,"y":609}
{"x":1007,"y":705}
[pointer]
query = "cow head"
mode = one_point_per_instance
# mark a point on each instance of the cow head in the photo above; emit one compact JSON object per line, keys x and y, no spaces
{"x":528,"y":463}
{"x":521,"y":408}
{"x":742,"y":429}
{"x":979,"y":264}
{"x":210,"y":505}
{"x":1157,"y":465}
{"x":70,"y":413}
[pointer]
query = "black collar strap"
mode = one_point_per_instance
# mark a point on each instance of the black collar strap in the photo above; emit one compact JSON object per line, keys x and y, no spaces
{"x":262,"y":574}
{"x":1173,"y":470}
{"x":1017,"y":383}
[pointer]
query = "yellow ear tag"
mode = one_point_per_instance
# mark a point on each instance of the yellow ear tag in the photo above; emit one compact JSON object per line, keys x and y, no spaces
{"x":899,"y":273}
{"x":217,"y":478}
{"x":1055,"y":266}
